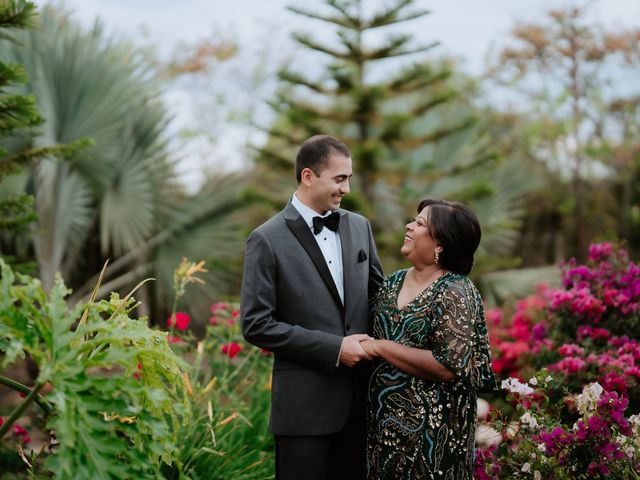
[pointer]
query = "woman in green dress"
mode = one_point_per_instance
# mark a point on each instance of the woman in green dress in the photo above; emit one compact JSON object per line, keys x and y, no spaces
{"x":432,"y":353}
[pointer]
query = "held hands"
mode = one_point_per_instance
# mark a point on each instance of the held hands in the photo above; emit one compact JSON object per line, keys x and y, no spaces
{"x":351,"y":352}
{"x":371,"y":347}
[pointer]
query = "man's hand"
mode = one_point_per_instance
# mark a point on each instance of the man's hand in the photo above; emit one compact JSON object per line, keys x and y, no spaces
{"x":351,"y":351}
{"x":370,"y":347}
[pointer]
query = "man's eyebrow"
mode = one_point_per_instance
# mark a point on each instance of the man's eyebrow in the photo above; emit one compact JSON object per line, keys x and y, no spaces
{"x":344,"y":175}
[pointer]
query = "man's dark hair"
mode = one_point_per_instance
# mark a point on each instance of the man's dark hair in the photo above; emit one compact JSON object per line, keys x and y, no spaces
{"x":456,"y":228}
{"x":315,"y":152}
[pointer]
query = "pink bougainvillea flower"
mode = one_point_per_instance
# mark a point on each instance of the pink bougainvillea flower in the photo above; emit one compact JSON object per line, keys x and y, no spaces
{"x":217,"y":306}
{"x":231,"y":349}
{"x":600,"y":251}
{"x":182,"y":320}
{"x":493,"y":316}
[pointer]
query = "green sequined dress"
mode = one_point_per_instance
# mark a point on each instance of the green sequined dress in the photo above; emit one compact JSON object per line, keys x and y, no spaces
{"x":418,"y":429}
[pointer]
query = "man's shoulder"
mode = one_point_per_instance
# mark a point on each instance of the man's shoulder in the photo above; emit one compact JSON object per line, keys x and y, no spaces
{"x":273,"y":224}
{"x":355,"y":217}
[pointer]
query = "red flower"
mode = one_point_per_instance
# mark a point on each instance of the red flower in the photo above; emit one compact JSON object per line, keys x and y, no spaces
{"x":136,"y":375}
{"x":231,"y":349}
{"x":173,"y":339}
{"x":182,"y":320}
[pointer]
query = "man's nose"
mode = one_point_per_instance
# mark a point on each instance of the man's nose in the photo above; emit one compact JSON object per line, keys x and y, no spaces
{"x":345,"y":187}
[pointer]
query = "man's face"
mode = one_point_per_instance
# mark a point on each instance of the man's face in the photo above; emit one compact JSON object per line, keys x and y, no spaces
{"x":327,"y":189}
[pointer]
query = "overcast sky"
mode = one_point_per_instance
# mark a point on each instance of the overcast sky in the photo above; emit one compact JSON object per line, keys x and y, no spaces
{"x":467,"y":29}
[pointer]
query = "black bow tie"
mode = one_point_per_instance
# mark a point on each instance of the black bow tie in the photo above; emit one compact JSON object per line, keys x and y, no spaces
{"x":330,"y":221}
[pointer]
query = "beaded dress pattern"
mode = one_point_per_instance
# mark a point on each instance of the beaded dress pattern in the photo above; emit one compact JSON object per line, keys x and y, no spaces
{"x":419,"y":429}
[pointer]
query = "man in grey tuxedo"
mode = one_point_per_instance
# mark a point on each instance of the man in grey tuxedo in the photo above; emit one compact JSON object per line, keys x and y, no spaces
{"x":310,"y":273}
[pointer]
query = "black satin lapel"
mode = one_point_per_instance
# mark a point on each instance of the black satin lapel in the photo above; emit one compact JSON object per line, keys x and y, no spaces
{"x":303,"y":233}
{"x":348,"y":261}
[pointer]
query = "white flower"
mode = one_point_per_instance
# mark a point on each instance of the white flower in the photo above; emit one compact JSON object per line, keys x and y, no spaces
{"x":526,"y":468}
{"x":587,"y":401}
{"x":513,"y":385}
{"x":537,"y":475}
{"x":533,"y":381}
{"x":548,"y":379}
{"x":542,"y":447}
{"x":483,"y":408}
{"x":529,"y":420}
{"x":629,"y":452}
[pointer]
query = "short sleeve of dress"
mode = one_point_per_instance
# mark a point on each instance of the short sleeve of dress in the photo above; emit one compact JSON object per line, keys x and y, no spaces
{"x":460,"y":338}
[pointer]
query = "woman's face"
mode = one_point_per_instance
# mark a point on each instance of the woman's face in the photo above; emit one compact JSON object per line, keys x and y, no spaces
{"x":419,"y":246}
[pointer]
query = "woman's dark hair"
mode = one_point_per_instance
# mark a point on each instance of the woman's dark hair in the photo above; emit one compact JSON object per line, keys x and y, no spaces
{"x":456,"y":228}
{"x":315,"y":152}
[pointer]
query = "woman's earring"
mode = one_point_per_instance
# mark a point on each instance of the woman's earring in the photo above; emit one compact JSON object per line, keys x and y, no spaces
{"x":437,"y":257}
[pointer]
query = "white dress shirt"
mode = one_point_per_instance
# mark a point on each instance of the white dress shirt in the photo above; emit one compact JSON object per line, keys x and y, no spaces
{"x":328,"y":241}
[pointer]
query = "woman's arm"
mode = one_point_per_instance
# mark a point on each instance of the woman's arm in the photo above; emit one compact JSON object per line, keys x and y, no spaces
{"x":414,"y":361}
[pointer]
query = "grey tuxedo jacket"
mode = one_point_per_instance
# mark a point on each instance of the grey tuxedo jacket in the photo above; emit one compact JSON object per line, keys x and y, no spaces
{"x":290,"y":306}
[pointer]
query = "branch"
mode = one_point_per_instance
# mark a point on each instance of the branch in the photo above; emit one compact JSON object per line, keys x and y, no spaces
{"x":345,"y":21}
{"x":18,"y":387}
{"x":17,"y":413}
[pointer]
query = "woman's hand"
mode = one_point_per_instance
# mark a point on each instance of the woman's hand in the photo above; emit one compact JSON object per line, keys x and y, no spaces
{"x":370,"y":347}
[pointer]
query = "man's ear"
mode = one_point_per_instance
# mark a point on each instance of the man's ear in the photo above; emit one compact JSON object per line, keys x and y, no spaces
{"x":306,"y":176}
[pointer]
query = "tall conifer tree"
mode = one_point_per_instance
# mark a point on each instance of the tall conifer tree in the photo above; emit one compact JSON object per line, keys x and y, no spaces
{"x":365,"y":94}
{"x":17,"y":113}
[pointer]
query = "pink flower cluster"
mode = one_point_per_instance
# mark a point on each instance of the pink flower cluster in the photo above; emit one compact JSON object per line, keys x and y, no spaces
{"x":617,"y":368}
{"x":603,"y":290}
{"x":513,"y":339}
{"x":579,"y":302}
{"x":224,"y":314}
{"x":482,"y":459}
{"x":597,"y":299}
{"x":595,"y":432}
{"x":585,"y":332}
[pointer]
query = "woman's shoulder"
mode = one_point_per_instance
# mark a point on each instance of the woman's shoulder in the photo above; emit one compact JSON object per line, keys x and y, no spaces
{"x":395,"y":276}
{"x":453,"y":278}
{"x":460,"y":283}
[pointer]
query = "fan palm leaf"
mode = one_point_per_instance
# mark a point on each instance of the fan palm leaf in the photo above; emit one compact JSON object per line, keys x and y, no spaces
{"x":119,"y":198}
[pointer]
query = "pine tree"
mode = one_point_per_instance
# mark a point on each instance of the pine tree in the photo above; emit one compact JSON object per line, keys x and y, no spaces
{"x":364,"y":98}
{"x":17,"y":113}
{"x":18,"y":119}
